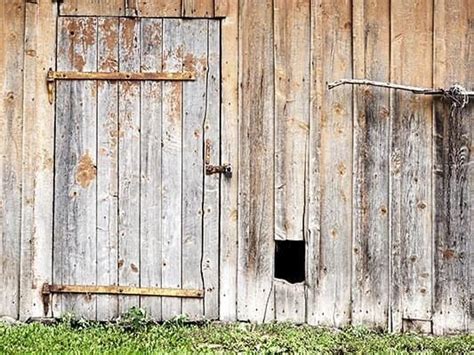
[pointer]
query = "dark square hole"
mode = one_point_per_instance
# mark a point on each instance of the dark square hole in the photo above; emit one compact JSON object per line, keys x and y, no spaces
{"x":290,"y":260}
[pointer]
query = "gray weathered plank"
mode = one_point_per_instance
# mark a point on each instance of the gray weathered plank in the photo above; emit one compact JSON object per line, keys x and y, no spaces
{"x":453,"y":169}
{"x":212,"y":132}
{"x":229,"y":154}
{"x":292,"y":71}
{"x":370,"y":268}
{"x":75,"y":166}
{"x":107,"y":166}
{"x":150,"y":171}
{"x":38,"y":157}
{"x":290,"y":302}
{"x":171,"y":166}
{"x":411,"y":163}
{"x":194,"y":119}
{"x":11,"y":124}
{"x":256,"y":142}
{"x":129,"y":162}
{"x":317,"y":88}
{"x":331,"y":294}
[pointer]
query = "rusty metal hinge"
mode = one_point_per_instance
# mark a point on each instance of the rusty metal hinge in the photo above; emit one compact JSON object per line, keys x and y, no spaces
{"x":122,"y":290}
{"x":225,"y":169}
{"x":114,"y":76}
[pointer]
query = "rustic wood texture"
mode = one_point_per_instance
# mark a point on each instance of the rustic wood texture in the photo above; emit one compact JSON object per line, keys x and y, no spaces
{"x":197,"y":8}
{"x":121,"y":76}
{"x":292,"y":72}
{"x":75,"y":166}
{"x":151,"y":239}
{"x":171,"y":166}
{"x":195,"y":113}
{"x":360,"y":221}
{"x":229,"y":154}
{"x":11,"y":125}
{"x":256,"y":174}
{"x":370,"y":278}
{"x":290,"y":302}
{"x":107,"y":165}
{"x":92,"y":7}
{"x":411,"y":164}
{"x":129,"y":162}
{"x":211,"y":205}
{"x":38,"y":158}
{"x":332,"y":293}
{"x":453,"y":172}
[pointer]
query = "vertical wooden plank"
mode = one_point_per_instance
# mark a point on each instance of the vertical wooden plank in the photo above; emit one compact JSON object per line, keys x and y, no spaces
{"x":370,"y":279}
{"x":224,"y":8}
{"x":256,"y":170}
{"x":11,"y":124}
{"x":292,"y":71}
{"x":92,"y":7}
{"x":411,"y":164}
{"x":107,"y":166}
{"x":129,"y":162}
{"x":159,"y":8}
{"x":290,"y":302}
{"x":171,"y":166}
{"x":317,"y":89}
{"x":75,"y":166}
{"x":195,"y":113}
{"x":198,"y":8}
{"x":229,"y":154}
{"x":331,"y":293}
{"x":150,"y":155}
{"x":453,"y":172}
{"x":38,"y":153}
{"x":210,"y":261}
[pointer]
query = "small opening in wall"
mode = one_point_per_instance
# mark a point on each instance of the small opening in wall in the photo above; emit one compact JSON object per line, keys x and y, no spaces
{"x":290,"y":260}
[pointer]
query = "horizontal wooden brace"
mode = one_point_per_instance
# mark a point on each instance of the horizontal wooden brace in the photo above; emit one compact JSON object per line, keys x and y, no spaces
{"x":114,"y":76}
{"x":126,"y":76}
{"x":123,"y":290}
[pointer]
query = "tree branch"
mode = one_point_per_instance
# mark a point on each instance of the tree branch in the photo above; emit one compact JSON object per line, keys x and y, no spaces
{"x":456,"y":89}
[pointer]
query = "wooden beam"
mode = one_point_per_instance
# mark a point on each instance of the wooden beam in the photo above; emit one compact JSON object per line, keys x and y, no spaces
{"x":157,"y":76}
{"x":115,"y":76}
{"x":123,"y":290}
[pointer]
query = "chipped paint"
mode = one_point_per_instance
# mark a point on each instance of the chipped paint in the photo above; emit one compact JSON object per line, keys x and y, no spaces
{"x":86,"y":171}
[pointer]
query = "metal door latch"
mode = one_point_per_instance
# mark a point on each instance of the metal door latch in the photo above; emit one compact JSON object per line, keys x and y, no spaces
{"x":225,"y":169}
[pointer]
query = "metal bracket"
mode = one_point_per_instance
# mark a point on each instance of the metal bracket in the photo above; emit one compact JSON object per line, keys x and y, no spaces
{"x":52,"y":76}
{"x":225,"y":169}
{"x":122,"y":290}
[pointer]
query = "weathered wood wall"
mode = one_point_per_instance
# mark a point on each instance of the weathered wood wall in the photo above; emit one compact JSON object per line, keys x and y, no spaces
{"x":377,"y":183}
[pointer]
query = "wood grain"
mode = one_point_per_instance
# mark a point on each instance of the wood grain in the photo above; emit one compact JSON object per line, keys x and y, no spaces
{"x":411,"y":163}
{"x":151,"y":238}
{"x":75,"y":166}
{"x":38,"y":159}
{"x":256,"y":144}
{"x":195,"y":97}
{"x":370,"y":279}
{"x":92,"y":7}
{"x":453,"y":172}
{"x":331,"y":294}
{"x":129,"y":162}
{"x":292,"y":71}
{"x":229,"y":154}
{"x":11,"y":124}
{"x":211,"y":206}
{"x":171,"y":165}
{"x":107,"y":165}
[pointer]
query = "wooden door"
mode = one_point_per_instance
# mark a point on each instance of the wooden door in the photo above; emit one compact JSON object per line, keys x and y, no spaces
{"x":132,"y":203}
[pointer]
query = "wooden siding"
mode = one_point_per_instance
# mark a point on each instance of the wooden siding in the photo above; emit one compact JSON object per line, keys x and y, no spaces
{"x":376,"y":182}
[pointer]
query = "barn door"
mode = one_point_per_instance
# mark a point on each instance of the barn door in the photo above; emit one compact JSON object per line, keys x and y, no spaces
{"x":134,"y":206}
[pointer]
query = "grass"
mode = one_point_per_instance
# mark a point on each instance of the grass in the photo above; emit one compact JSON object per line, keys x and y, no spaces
{"x":134,"y":336}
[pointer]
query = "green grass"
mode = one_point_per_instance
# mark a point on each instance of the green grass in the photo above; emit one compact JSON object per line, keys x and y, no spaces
{"x":179,"y":337}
